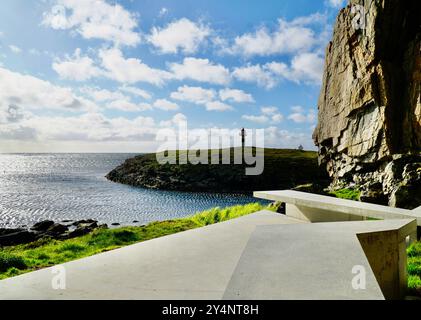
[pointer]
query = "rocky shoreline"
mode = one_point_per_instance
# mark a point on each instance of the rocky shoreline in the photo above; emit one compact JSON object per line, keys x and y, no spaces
{"x":67,"y":229}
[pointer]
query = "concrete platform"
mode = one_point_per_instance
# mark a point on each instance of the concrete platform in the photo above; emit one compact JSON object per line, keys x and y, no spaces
{"x":315,"y":261}
{"x":195,"y":264}
{"x":261,"y":256}
{"x":318,"y":208}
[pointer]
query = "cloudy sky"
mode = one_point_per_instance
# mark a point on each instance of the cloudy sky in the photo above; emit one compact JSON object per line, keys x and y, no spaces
{"x":104,"y":76}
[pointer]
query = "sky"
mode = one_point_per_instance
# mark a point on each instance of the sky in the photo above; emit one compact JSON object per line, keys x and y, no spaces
{"x":105,"y":76}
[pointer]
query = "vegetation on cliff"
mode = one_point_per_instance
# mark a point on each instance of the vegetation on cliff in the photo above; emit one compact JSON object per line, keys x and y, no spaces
{"x":283,"y":168}
{"x":15,"y":260}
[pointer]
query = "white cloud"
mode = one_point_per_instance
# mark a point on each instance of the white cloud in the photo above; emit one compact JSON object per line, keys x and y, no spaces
{"x":77,"y":67}
{"x":289,"y":37}
{"x":268,"y":114}
{"x":200,"y":96}
{"x":300,"y":116}
{"x":335,"y":3}
{"x":201,"y":70}
{"x":276,"y":118}
{"x":297,"y":117}
{"x":269,"y":110}
{"x":256,"y":74}
{"x":126,"y":105}
{"x":34,"y":52}
{"x":258,"y":119}
{"x":101,"y":95}
{"x":94,"y":19}
{"x":217,"y":106}
{"x":15,"y":49}
{"x":235,"y":95}
{"x":279,"y":138}
{"x":166,"y":105}
{"x":298,"y":109}
{"x":305,"y":68}
{"x":93,"y":127}
{"x":196,"y":95}
{"x":136,"y":91}
{"x":181,"y":35}
{"x":130,"y":70}
{"x":163,"y":12}
{"x":174,"y":121}
{"x":29,"y":93}
{"x":115,"y":99}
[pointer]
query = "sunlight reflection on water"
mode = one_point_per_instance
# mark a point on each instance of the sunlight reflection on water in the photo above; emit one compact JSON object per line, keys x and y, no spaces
{"x":35,"y":187}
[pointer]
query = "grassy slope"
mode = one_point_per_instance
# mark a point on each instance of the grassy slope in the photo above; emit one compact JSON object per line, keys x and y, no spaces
{"x":414,"y":268}
{"x":44,"y":253}
{"x":283,"y":168}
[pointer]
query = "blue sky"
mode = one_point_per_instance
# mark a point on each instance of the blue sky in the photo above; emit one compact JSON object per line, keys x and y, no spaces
{"x":104,"y":76}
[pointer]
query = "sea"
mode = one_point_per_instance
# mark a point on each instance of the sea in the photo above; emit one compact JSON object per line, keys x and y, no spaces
{"x":36,"y":187}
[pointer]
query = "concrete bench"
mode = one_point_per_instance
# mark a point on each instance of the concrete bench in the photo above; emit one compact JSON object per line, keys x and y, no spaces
{"x":319,"y":261}
{"x":318,"y":208}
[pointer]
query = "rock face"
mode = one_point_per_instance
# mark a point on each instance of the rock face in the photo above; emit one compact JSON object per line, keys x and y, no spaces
{"x":369,"y":123}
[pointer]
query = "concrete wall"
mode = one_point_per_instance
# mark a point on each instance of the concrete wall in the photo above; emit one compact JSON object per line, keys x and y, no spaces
{"x":318,"y":215}
{"x":386,"y":253}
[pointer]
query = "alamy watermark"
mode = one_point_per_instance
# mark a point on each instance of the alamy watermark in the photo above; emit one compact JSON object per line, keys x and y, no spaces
{"x":58,"y":282}
{"x":359,"y":20}
{"x":212,"y":146}
{"x":359,"y":281}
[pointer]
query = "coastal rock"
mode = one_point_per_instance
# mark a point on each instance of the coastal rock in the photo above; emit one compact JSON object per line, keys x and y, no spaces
{"x":83,"y":229}
{"x":56,"y":230}
{"x":43,"y":225}
{"x":369,"y":120}
{"x":11,"y":237}
{"x":82,"y":222}
{"x":47,"y":229}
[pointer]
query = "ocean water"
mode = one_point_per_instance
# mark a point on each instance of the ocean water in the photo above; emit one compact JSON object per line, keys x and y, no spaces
{"x":35,"y":187}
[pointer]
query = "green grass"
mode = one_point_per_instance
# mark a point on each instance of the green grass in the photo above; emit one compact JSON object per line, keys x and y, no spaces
{"x":414,"y":268}
{"x":347,"y":193}
{"x":47,"y":252}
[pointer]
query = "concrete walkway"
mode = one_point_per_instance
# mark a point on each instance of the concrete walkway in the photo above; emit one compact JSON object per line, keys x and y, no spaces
{"x":261,"y":256}
{"x":196,"y":264}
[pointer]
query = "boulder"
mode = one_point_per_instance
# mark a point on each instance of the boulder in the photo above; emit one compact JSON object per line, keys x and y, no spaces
{"x":56,"y":230}
{"x":16,"y":236}
{"x":87,"y":221}
{"x":84,"y":229}
{"x":42,"y":226}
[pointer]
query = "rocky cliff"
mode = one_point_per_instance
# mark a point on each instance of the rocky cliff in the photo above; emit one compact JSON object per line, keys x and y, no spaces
{"x":369,"y":122}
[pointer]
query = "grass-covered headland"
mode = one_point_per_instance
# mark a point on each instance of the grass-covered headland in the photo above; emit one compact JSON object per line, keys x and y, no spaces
{"x":15,"y":260}
{"x":283,"y":169}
